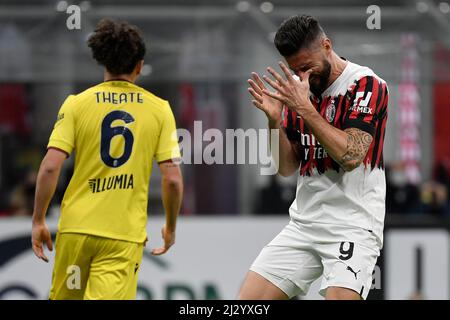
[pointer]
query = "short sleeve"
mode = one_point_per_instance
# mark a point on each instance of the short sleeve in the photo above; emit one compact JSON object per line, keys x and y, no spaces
{"x":368,"y":102}
{"x":168,"y":140}
{"x":63,"y":134}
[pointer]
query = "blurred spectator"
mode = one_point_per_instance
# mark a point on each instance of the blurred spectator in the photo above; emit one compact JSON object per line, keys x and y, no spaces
{"x":434,"y":197}
{"x":14,"y":111}
{"x":431,"y":197}
{"x":441,"y":173}
{"x":275,"y":198}
{"x":434,"y":194}
{"x":401,"y":196}
{"x":22,"y":197}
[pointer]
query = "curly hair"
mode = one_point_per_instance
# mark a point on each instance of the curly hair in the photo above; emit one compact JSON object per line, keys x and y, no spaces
{"x":296,"y":33}
{"x":118,"y":46}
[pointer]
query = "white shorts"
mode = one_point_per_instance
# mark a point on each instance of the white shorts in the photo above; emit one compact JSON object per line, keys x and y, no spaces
{"x":298,"y":256}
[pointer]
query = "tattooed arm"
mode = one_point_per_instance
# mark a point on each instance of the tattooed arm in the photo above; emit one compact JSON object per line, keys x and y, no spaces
{"x":347,"y":147}
{"x":358,"y":143}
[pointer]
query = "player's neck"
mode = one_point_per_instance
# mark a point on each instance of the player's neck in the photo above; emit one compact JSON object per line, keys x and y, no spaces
{"x":119,"y":77}
{"x":337,"y":67}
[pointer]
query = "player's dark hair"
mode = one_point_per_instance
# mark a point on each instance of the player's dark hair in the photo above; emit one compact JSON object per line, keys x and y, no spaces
{"x":296,"y":33}
{"x":118,"y":46}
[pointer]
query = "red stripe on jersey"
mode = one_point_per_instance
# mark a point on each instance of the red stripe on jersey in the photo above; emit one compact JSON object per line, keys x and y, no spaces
{"x":381,"y":142}
{"x":339,"y":109}
{"x":377,"y":153}
{"x":373,"y":101}
{"x":385,"y":98}
{"x":308,"y":166}
{"x":294,"y":120}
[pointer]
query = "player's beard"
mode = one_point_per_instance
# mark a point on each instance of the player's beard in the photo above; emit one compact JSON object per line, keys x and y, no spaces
{"x":319,"y":82}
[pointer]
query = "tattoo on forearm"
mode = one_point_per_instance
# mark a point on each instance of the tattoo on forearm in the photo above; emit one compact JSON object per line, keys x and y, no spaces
{"x":358,"y":143}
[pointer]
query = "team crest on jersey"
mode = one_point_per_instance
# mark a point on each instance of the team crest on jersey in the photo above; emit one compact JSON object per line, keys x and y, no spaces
{"x":330,"y":112}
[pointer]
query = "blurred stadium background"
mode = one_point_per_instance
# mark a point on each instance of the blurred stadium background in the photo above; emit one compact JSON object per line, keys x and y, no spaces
{"x":200,"y":54}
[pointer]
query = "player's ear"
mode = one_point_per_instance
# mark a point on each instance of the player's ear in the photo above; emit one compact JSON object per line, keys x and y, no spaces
{"x":327,"y":45}
{"x":139,"y":66}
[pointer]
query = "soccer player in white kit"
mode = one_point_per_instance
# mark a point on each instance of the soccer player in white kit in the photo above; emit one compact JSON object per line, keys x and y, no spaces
{"x":332,"y":117}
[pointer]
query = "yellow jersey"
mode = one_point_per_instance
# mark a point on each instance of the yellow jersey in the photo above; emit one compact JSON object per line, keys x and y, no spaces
{"x":116,"y":128}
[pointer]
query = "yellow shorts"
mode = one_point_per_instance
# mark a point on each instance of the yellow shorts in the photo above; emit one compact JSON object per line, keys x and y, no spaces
{"x":92,"y":268}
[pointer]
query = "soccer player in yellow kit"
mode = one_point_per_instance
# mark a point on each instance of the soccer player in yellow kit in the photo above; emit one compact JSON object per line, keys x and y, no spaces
{"x":116,"y":129}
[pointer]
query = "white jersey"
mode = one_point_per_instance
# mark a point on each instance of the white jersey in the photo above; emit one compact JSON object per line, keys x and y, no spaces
{"x":341,"y":203}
